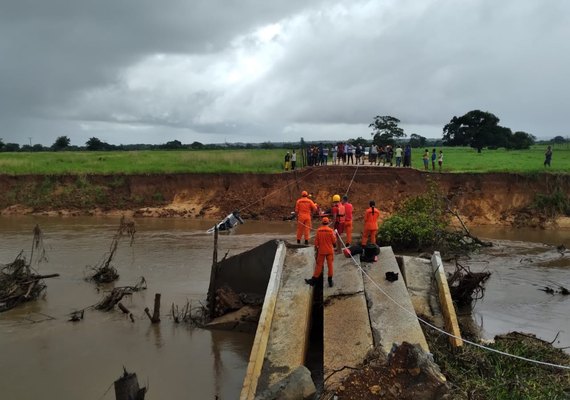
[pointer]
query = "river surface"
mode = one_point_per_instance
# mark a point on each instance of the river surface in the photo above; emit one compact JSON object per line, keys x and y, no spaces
{"x":44,"y":356}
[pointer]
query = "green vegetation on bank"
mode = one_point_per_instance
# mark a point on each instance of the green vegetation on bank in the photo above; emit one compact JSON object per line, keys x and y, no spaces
{"x":456,"y":159}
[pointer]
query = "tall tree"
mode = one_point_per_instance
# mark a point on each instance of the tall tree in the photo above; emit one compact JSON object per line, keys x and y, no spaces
{"x":1,"y":144}
{"x":477,"y":129}
{"x":417,"y":140}
{"x":95,"y":144}
{"x":385,"y":129}
{"x":521,"y":141}
{"x":61,"y":143}
{"x":556,"y":139}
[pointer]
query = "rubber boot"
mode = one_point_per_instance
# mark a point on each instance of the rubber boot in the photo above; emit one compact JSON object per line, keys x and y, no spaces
{"x":298,"y":241}
{"x":306,"y":241}
{"x":331,"y":284}
{"x":311,"y":281}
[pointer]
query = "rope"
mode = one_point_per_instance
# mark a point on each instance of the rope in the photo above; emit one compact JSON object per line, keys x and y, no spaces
{"x":443,"y":331}
{"x":352,"y":180}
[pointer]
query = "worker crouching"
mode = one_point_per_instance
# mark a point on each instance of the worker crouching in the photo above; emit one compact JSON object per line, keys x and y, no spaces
{"x":325,"y":242}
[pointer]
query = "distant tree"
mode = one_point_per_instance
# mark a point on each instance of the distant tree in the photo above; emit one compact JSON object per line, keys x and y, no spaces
{"x":417,"y":140}
{"x":26,"y":147}
{"x":197,"y":146}
{"x":61,"y":143}
{"x":38,"y":147}
{"x":385,"y":129}
{"x":359,"y":140}
{"x":521,"y":141}
{"x":95,"y":144}
{"x":1,"y":144}
{"x":267,"y":145}
{"x":173,"y":145}
{"x":555,"y":140}
{"x":302,"y":143}
{"x":477,"y":129}
{"x":11,"y":147}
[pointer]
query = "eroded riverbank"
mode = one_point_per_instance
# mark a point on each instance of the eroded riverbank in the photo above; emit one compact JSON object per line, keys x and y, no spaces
{"x":481,"y":199}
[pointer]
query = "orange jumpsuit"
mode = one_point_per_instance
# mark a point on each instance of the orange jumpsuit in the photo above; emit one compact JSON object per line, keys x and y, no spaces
{"x":370,"y":225}
{"x":348,"y":222}
{"x":304,"y":209}
{"x":325,"y":240}
{"x":337,"y":215}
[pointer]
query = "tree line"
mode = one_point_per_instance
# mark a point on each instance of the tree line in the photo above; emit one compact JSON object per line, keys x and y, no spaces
{"x":477,"y":129}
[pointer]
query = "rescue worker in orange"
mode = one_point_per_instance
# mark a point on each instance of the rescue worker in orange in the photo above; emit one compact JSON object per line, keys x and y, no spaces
{"x":337,"y":214}
{"x":325,"y":241}
{"x":304,"y":209}
{"x":347,"y":219}
{"x":370,"y":224}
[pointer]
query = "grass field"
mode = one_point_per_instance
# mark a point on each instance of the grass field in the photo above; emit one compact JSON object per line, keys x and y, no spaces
{"x":456,"y":159}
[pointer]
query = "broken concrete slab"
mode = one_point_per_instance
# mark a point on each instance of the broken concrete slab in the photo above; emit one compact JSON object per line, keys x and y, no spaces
{"x":298,"y":385}
{"x":392,"y":321}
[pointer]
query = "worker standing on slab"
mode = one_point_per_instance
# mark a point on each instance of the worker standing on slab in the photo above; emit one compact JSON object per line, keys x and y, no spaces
{"x":325,"y":242}
{"x":347,"y":219}
{"x":304,"y":208}
{"x":370,"y":224}
{"x":337,"y":214}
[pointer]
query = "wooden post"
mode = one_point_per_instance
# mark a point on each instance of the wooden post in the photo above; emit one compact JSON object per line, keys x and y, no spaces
{"x":211,"y":297}
{"x":127,"y":387}
{"x":156,"y":311}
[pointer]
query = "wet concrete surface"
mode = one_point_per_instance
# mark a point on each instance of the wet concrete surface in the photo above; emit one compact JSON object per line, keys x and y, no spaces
{"x":56,"y":359}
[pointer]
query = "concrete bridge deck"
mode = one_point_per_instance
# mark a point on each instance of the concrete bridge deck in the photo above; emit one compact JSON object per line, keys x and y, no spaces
{"x":357,"y":315}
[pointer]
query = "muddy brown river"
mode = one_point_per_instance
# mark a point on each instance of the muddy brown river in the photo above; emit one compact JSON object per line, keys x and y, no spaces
{"x":44,"y":356}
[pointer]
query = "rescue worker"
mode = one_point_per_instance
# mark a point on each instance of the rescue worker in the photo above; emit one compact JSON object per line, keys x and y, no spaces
{"x":304,"y":209}
{"x":325,"y":241}
{"x":370,"y":224}
{"x":347,"y":219}
{"x":337,"y":214}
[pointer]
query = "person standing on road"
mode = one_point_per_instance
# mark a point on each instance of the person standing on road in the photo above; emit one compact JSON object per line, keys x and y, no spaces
{"x":370,"y":224}
{"x":325,"y":242}
{"x":304,"y":209}
{"x":548,"y":156}
{"x":399,"y":152}
{"x":350,"y":154}
{"x":408,"y":156}
{"x":347,"y":219}
{"x":440,"y":160}
{"x":433,"y":158}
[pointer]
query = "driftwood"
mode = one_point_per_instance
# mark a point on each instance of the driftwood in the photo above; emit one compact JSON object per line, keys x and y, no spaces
{"x":466,"y":286}
{"x":19,"y":282}
{"x":105,"y":272}
{"x":117,"y":294}
{"x":466,"y":231}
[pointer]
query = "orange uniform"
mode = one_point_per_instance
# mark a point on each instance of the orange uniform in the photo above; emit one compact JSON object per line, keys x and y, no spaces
{"x":325,"y":240}
{"x":370,"y":225}
{"x":348,"y":222}
{"x":338,"y":217}
{"x":304,"y":208}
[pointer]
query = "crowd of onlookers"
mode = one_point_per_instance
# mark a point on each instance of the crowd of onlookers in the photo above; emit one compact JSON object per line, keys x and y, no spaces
{"x":357,"y":154}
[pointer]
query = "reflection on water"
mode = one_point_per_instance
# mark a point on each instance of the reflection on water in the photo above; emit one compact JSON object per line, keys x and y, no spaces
{"x":49,"y":358}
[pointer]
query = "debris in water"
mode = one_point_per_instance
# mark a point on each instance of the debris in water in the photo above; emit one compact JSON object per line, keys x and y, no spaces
{"x":127,"y":387}
{"x":227,"y":223}
{"x":105,"y":272}
{"x":117,"y":294}
{"x":76,"y":316}
{"x":466,"y":286}
{"x":19,"y":282}
{"x":547,"y":289}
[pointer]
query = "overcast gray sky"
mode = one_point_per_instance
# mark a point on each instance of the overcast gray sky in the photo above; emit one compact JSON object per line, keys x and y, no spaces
{"x":145,"y":71}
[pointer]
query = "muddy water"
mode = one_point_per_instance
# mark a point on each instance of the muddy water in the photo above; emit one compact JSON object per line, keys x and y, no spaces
{"x":522,"y":261}
{"x":55,"y":359}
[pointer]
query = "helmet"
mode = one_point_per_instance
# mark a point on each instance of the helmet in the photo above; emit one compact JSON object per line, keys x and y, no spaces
{"x":336,"y":198}
{"x":304,"y":193}
{"x":325,"y":221}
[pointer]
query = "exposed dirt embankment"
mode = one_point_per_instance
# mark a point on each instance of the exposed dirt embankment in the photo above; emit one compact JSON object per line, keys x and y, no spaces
{"x":480,"y":198}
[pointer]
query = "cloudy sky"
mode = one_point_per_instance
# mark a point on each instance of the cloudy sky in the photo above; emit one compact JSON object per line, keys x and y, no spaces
{"x":145,"y":71}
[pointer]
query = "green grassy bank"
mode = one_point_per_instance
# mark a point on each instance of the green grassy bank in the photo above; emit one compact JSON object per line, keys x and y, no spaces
{"x":456,"y":159}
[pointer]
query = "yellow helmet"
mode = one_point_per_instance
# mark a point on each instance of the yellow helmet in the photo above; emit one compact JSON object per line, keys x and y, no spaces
{"x":336,"y":198}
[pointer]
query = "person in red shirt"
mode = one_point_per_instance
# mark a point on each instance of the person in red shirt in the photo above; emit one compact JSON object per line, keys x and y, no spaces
{"x":347,"y":219}
{"x":325,"y":242}
{"x":304,"y":209}
{"x":370,"y":224}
